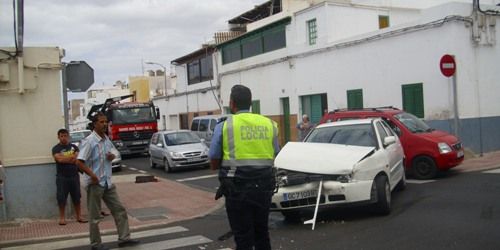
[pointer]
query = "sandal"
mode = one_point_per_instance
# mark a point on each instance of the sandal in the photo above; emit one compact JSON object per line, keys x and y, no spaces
{"x":82,"y":221}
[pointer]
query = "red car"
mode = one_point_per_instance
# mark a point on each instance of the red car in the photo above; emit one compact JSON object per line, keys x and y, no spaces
{"x":427,"y":150}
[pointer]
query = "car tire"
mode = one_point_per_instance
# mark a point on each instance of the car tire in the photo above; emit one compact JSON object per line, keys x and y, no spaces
{"x":291,"y":215}
{"x":383,"y":192}
{"x":424,"y":167}
{"x":151,"y":163}
{"x":168,"y":169}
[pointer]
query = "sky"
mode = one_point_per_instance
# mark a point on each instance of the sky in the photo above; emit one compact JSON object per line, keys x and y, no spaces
{"x":114,"y":36}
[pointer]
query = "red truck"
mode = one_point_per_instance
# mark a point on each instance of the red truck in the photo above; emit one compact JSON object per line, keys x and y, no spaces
{"x":427,"y":150}
{"x":130,"y":124}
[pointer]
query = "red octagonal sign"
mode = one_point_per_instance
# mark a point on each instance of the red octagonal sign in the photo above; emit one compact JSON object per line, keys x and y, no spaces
{"x":447,"y":65}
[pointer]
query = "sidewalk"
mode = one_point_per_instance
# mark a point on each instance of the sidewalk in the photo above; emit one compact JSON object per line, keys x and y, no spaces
{"x":149,"y":205}
{"x":154,"y":204}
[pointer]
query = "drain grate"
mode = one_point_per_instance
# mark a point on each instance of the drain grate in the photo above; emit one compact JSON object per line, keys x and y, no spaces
{"x":149,"y":213}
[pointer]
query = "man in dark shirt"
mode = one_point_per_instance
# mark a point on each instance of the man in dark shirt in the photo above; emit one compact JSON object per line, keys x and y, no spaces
{"x":67,"y":179}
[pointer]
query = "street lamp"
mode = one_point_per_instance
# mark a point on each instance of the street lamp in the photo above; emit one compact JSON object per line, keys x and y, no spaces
{"x":164,"y":74}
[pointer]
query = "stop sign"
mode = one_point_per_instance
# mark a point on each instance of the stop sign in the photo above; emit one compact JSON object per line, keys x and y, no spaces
{"x":447,"y":65}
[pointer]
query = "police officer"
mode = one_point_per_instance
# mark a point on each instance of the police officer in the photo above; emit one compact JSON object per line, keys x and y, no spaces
{"x":243,"y":147}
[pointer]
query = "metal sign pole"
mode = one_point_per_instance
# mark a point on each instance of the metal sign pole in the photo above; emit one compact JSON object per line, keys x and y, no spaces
{"x":455,"y":104}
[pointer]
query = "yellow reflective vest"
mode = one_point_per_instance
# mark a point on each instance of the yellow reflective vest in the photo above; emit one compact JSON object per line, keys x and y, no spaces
{"x":247,"y":142}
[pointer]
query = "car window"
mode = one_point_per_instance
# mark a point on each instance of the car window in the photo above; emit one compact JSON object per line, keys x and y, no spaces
{"x":179,"y":138}
{"x":194,"y":125}
{"x":356,"y":135}
{"x":203,"y":125}
{"x":154,"y":139}
{"x":213,"y":122}
{"x":414,"y":124}
{"x":393,"y":126}
{"x":381,"y":131}
{"x":387,"y":129}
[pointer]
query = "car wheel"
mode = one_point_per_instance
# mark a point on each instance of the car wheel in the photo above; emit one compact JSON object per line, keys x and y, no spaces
{"x":291,"y":215}
{"x":166,"y":165}
{"x":383,"y":192}
{"x":424,"y":168}
{"x":151,"y":163}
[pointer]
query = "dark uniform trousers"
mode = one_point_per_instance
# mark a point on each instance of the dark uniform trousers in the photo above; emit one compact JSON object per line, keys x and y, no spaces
{"x":247,"y":207}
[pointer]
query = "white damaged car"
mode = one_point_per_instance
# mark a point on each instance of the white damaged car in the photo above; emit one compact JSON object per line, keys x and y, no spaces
{"x":349,"y":162}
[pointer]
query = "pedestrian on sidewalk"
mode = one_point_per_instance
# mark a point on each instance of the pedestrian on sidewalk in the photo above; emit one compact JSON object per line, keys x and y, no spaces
{"x":95,"y":159}
{"x":243,"y":148}
{"x":67,"y":179}
{"x":304,"y":127}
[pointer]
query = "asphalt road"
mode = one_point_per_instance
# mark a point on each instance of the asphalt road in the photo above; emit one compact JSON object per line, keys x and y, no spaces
{"x":455,"y":211}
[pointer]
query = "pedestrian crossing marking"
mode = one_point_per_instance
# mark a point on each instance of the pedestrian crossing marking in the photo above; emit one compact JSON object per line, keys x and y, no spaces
{"x":419,"y":181}
{"x":197,"y":178}
{"x":170,"y":244}
{"x":105,"y":239}
{"x":131,"y":168}
{"x":494,"y":171}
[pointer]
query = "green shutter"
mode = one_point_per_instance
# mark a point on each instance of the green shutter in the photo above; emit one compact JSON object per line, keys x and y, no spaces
{"x":286,"y":116}
{"x":256,"y":107}
{"x":413,"y":99}
{"x":316,"y":111}
{"x":355,"y":99}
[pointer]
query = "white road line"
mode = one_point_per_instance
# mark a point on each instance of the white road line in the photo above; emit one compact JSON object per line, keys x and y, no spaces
{"x":419,"y":181}
{"x":494,"y":171}
{"x":171,"y":244}
{"x":131,"y":168}
{"x":105,"y":239}
{"x":142,"y":172}
{"x":197,"y":178}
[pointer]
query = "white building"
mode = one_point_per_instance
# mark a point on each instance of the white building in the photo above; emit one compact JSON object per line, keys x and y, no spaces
{"x":322,"y":55}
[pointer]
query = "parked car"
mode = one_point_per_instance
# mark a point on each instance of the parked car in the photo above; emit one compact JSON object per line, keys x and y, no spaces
{"x":116,"y":163}
{"x":177,"y":149}
{"x":346,"y":163}
{"x":427,"y":150}
{"x":78,"y":136}
{"x":204,"y":126}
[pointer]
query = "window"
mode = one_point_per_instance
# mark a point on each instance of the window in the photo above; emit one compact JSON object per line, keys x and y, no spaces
{"x":355,"y":99}
{"x":204,"y":125}
{"x":256,"y":107}
{"x":251,"y":46}
{"x":200,"y":70}
{"x":413,"y":99}
{"x":383,"y":22}
{"x":381,"y":132}
{"x":213,"y":122}
{"x":312,"y":31}
{"x":256,"y":42}
{"x":274,"y":38}
{"x":195,"y":125}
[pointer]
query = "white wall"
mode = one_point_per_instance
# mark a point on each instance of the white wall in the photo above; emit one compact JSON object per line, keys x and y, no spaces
{"x":379,"y":68}
{"x":29,"y":121}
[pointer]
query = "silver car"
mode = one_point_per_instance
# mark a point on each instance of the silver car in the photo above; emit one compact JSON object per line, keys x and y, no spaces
{"x":177,"y":149}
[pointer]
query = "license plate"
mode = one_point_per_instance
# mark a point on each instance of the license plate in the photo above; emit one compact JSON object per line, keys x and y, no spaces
{"x":460,"y":153}
{"x":299,"y":195}
{"x":137,"y":142}
{"x":193,"y":159}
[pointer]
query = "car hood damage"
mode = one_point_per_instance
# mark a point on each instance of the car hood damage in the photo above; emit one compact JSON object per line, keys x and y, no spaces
{"x":320,"y":158}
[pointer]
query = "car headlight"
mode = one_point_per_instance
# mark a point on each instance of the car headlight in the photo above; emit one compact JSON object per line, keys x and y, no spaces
{"x":444,"y":148}
{"x":345,"y":178}
{"x":205,"y":151}
{"x":176,"y":155}
{"x":282,"y":178}
{"x":119,"y":144}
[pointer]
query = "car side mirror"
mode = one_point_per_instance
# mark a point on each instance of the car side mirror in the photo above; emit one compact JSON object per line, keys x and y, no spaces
{"x":159,"y":145}
{"x":389,"y":140}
